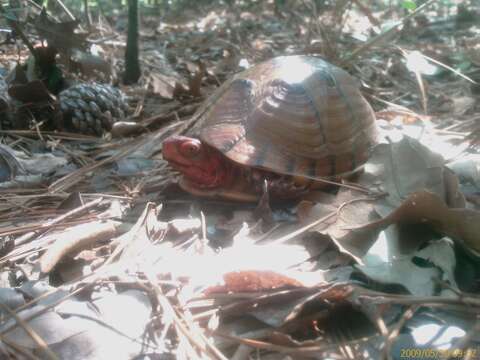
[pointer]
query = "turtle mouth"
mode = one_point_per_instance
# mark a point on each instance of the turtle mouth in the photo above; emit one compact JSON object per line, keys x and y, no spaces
{"x":179,"y":166}
{"x":195,"y":176}
{"x":218,"y":192}
{"x":197,"y":189}
{"x":193,"y":186}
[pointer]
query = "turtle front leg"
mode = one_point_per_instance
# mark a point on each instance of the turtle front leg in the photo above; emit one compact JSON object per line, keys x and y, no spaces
{"x":278,"y":186}
{"x":285,"y":188}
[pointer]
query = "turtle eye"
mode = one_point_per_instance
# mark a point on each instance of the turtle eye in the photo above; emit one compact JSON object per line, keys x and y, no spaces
{"x":190,"y":148}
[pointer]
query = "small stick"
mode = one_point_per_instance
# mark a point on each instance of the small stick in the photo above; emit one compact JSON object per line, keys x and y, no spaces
{"x":76,"y":239}
{"x":31,"y":332}
{"x":364,"y":9}
{"x":62,"y":5}
{"x":383,"y":35}
{"x":27,"y":237}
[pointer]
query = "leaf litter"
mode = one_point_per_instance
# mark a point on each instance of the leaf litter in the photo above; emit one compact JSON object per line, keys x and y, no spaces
{"x":104,"y":257}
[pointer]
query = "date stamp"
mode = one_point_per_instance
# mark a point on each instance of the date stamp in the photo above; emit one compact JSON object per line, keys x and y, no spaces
{"x":431,"y":353}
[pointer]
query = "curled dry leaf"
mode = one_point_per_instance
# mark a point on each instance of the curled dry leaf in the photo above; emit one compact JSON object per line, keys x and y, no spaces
{"x":76,"y":239}
{"x":425,"y":207}
{"x":397,"y":169}
{"x":33,"y":91}
{"x":420,"y":190}
{"x":168,"y":85}
{"x":60,"y":35}
{"x":401,"y":168}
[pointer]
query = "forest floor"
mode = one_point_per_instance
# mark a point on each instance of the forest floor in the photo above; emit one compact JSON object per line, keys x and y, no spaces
{"x":103,"y":255}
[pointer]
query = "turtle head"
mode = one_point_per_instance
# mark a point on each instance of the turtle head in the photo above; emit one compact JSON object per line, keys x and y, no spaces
{"x":200,"y":164}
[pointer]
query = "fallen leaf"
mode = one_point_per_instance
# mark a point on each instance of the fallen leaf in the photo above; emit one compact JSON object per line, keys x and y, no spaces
{"x":33,"y":91}
{"x":164,"y":85}
{"x":401,"y":168}
{"x":427,"y":208}
{"x":403,"y":270}
{"x":350,"y":209}
{"x":254,"y":280}
{"x":88,"y":63}
{"x":62,"y":35}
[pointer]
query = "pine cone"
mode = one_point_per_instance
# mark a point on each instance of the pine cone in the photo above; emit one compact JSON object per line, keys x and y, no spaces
{"x":92,"y":108}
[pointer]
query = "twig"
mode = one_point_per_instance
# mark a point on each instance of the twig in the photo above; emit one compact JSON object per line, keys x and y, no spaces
{"x":182,"y":326}
{"x":15,"y":26}
{"x":395,"y":332}
{"x":204,"y":227}
{"x":448,"y":68}
{"x":373,"y":297}
{"x":39,"y":8}
{"x":420,"y":82}
{"x":71,"y":179}
{"x":56,"y":135}
{"x":19,"y":349}
{"x":304,"y":228}
{"x":29,"y":330}
{"x":300,"y":350}
{"x":77,"y":211}
{"x":383,"y":35}
{"x":62,"y":5}
{"x":322,"y":219}
{"x":364,"y":9}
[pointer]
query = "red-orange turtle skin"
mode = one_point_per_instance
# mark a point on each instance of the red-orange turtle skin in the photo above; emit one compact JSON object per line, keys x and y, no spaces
{"x":292,"y":119}
{"x":199,"y":163}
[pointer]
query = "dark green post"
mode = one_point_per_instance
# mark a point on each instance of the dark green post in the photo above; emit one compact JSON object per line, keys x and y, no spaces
{"x":132,"y":65}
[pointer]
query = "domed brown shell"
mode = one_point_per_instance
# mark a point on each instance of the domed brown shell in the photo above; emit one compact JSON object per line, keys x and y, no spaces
{"x":295,"y":115}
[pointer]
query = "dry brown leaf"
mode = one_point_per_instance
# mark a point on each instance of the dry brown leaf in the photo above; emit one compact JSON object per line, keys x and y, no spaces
{"x":76,"y":239}
{"x":425,"y":207}
{"x":60,"y":35}
{"x":353,"y":208}
{"x":398,"y":169}
{"x":401,"y":168}
{"x":163,"y":85}
{"x":255,"y":280}
{"x":34,"y":91}
{"x":166,"y":86}
{"x":88,"y":64}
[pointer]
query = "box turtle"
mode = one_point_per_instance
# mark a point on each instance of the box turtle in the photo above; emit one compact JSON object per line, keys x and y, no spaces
{"x":289,"y":122}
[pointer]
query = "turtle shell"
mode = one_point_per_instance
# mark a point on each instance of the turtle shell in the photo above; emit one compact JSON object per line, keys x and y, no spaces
{"x":293,"y":115}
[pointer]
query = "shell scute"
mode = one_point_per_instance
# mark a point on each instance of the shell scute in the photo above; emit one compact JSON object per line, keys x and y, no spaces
{"x":294,"y":115}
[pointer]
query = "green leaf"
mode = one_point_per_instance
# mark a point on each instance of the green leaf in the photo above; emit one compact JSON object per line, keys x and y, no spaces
{"x":409,"y":4}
